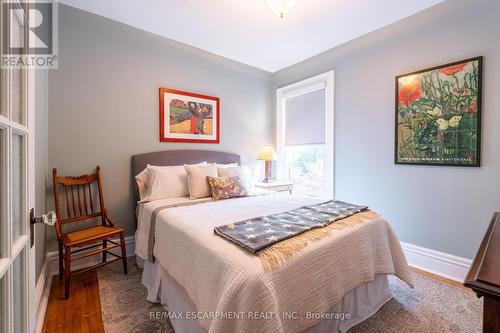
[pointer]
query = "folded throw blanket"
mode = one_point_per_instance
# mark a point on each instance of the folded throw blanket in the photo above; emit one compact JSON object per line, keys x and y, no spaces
{"x":261,"y":232}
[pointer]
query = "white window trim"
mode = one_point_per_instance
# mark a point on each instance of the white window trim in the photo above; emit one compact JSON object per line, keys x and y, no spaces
{"x":326,"y":81}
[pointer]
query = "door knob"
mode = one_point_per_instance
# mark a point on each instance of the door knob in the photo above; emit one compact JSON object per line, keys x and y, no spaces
{"x":48,"y":219}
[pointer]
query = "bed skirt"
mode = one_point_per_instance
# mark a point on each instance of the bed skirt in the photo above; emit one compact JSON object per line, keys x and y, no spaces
{"x":361,"y":303}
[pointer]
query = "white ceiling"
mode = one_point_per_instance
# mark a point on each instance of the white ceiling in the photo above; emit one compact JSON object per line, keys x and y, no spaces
{"x":249,"y":32}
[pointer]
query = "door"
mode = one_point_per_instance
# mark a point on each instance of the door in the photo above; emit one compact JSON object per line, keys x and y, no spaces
{"x":16,"y":187}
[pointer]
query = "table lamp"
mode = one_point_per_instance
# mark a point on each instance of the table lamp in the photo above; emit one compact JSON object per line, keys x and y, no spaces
{"x":267,"y":154}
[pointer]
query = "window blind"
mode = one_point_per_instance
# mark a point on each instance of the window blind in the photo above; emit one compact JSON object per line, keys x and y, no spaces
{"x":305,"y":117}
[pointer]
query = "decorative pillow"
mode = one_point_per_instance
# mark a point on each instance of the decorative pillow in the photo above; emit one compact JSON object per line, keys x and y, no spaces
{"x":226,"y":187}
{"x":197,"y":180}
{"x":229,"y":171}
{"x":162,"y":182}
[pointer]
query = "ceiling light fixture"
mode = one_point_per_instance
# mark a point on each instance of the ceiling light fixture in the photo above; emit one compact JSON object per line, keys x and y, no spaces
{"x":281,"y":7}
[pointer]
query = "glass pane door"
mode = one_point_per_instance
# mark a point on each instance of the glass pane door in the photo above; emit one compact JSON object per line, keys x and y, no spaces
{"x":15,"y":153}
{"x":18,"y":293}
{"x":3,"y":186}
{"x":3,"y":295}
{"x":17,"y":185}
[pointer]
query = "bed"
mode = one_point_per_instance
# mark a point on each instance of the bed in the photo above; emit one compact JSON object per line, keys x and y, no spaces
{"x":209,"y":284}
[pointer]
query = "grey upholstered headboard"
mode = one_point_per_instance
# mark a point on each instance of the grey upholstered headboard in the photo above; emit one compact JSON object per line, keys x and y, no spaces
{"x":177,"y":157}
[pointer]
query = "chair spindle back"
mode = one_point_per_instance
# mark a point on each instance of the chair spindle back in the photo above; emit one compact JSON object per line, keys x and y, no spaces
{"x":76,"y":200}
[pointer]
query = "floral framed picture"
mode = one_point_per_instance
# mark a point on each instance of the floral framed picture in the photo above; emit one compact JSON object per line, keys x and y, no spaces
{"x":438,"y":115}
{"x":188,"y":117}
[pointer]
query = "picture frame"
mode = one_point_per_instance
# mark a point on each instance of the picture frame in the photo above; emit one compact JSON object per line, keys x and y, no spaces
{"x":438,"y":115}
{"x":189,"y":117}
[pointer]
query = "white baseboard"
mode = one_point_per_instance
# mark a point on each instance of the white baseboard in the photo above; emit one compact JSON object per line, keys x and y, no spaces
{"x":42,"y":292}
{"x":435,"y":262}
{"x":86,"y":262}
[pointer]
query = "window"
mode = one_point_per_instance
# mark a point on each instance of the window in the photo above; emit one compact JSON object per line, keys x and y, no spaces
{"x":305,"y":135}
{"x":306,"y":168}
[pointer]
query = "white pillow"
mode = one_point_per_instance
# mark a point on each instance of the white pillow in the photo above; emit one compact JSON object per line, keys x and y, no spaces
{"x":246,"y":173}
{"x":162,"y":182}
{"x":197,"y":180}
{"x":229,"y":171}
{"x":142,"y":183}
{"x":229,"y":165}
{"x":250,"y":176}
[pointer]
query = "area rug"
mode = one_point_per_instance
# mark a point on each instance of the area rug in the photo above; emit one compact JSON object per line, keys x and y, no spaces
{"x":432,"y":307}
{"x":123,"y":301}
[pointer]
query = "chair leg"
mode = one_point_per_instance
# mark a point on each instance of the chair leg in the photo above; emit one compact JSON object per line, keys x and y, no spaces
{"x":124,"y":254}
{"x":67,"y":271}
{"x":61,"y":257}
{"x":104,"y":254}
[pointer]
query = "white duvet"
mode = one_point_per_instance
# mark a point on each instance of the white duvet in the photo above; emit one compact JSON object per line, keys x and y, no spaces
{"x":221,"y":277}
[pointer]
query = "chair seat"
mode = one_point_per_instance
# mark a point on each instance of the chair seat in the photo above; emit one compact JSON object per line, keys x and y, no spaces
{"x":90,"y":234}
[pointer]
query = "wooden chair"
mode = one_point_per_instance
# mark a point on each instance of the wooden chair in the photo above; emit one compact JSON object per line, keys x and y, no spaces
{"x":79,"y":205}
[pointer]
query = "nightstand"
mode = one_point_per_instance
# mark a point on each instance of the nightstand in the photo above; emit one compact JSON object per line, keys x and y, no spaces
{"x":277,"y":186}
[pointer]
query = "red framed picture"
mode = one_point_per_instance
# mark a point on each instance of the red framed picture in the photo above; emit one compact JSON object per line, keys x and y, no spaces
{"x":188,"y":117}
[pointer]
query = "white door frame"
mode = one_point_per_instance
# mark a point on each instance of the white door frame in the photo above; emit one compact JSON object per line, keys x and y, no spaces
{"x":10,"y":249}
{"x":31,"y":198}
{"x":321,"y":81}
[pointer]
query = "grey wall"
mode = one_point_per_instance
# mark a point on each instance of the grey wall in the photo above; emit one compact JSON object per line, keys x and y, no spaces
{"x":104,"y":108}
{"x":41,"y":158}
{"x":104,"y":101}
{"x":441,"y":208}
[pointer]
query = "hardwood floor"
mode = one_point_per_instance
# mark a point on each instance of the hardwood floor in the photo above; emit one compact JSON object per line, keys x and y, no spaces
{"x":81,"y":312}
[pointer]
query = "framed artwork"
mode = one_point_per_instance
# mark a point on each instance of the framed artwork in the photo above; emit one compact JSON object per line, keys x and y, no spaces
{"x":438,"y":115}
{"x":188,"y":117}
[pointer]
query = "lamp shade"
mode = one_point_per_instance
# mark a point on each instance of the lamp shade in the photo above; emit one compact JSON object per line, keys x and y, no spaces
{"x":267,"y":154}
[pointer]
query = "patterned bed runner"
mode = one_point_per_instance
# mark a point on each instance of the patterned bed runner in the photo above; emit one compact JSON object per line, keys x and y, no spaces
{"x":259,"y":233}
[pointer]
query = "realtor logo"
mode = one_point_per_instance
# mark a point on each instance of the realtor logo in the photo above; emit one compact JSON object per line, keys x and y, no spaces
{"x":29,"y":34}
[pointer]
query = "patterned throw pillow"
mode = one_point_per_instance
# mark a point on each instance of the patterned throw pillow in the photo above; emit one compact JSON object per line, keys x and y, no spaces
{"x":226,"y":187}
